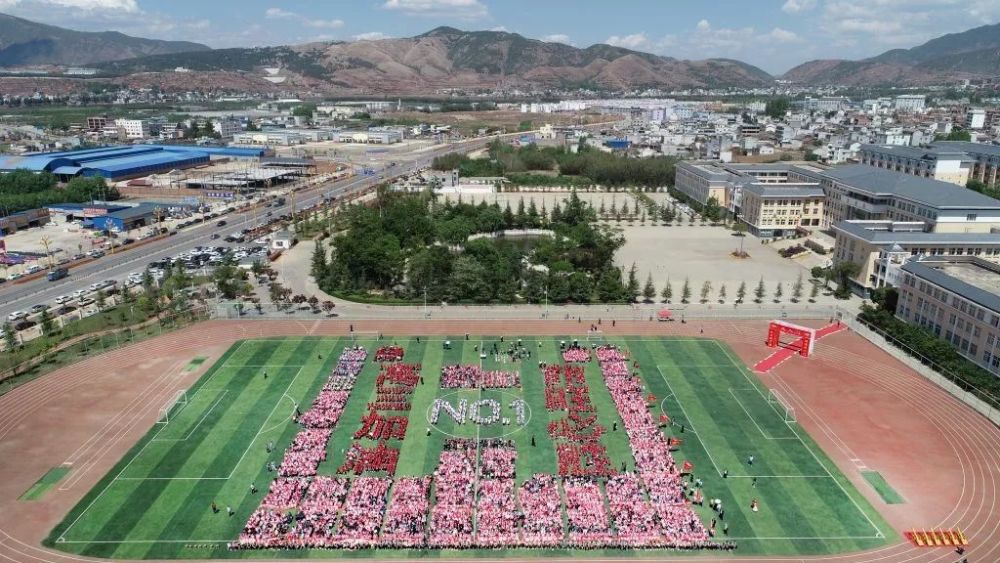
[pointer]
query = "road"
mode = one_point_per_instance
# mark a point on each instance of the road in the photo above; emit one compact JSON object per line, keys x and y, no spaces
{"x":20,"y":297}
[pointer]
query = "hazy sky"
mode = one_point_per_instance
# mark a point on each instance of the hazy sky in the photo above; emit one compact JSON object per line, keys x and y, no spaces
{"x":772,"y":34}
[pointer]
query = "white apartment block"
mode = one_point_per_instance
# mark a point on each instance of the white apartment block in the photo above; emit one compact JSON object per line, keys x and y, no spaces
{"x":911,"y":103}
{"x":133,"y":128}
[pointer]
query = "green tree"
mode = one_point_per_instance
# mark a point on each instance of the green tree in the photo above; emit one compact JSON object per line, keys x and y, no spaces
{"x":797,"y":289}
{"x":760,"y":292}
{"x":609,"y":286}
{"x":686,"y":291}
{"x":814,"y":292}
{"x":47,"y":323}
{"x":779,"y":292}
{"x":776,"y":107}
{"x":842,"y":272}
{"x":101,"y":300}
{"x":741,"y":292}
{"x":667,"y":293}
{"x":722,"y":293}
{"x":229,"y":279}
{"x":706,"y":289}
{"x":318,"y":269}
{"x":712,"y":210}
{"x":633,"y":283}
{"x":649,"y":290}
{"x":10,"y":337}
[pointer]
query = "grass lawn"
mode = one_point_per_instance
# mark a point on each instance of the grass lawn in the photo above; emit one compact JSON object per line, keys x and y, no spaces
{"x":155,"y":504}
{"x":42,"y":486}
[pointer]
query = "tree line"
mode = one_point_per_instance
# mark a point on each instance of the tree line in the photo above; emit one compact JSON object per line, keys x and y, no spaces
{"x":21,"y":190}
{"x":584,"y":166}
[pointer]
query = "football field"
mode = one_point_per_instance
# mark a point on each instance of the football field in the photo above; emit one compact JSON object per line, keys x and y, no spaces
{"x":217,"y":442}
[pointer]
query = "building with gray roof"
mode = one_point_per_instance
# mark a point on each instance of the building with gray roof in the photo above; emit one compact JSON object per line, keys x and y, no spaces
{"x":958,"y":300}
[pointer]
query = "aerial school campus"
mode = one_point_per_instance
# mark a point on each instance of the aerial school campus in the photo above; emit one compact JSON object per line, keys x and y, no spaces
{"x":379,"y":295}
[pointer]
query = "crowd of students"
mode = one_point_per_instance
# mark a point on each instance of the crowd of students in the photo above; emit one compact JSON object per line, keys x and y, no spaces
{"x":273,"y":524}
{"x":475,"y":501}
{"x":405,"y":519}
{"x":307,"y":451}
{"x":474,"y":377}
{"x":391,"y":353}
{"x":455,"y":482}
{"x":364,"y":508}
{"x":679,"y":526}
{"x":575,"y":354}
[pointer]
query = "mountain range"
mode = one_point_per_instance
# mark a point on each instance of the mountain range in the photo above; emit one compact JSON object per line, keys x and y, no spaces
{"x":448,"y":58}
{"x":24,"y":42}
{"x":971,"y":54}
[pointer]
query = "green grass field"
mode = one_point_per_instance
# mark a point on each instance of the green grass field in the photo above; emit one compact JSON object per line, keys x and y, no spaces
{"x":155,"y":504}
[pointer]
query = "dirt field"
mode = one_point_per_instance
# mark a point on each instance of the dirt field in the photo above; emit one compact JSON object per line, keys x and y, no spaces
{"x":866,"y":410}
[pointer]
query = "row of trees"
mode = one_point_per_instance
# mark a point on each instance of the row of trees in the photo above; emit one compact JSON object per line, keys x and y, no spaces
{"x":585,"y":166}
{"x":21,"y":190}
{"x":708,"y":291}
{"x":408,"y":246}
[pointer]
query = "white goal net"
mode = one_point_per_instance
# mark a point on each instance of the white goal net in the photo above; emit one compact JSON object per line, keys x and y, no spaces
{"x":169,"y":409}
{"x":595,"y":335}
{"x":780,"y":404}
{"x":365,"y":335}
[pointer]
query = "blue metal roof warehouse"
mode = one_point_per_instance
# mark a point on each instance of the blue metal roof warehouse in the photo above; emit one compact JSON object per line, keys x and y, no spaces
{"x":121,"y":162}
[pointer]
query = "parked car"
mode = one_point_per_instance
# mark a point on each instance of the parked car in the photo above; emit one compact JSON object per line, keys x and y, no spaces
{"x":38,"y":308}
{"x":62,"y":299}
{"x":17,"y":316}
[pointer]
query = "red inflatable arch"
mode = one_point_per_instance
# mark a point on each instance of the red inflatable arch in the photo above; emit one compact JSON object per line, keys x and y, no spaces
{"x":806,"y":337}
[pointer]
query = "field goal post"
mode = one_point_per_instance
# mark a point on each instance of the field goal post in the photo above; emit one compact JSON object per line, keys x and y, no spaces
{"x":176,"y":402}
{"x":365,"y":335}
{"x":780,"y":404}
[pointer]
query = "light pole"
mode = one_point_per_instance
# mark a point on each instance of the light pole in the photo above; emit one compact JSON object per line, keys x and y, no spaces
{"x":546,"y":302}
{"x":426,"y":312}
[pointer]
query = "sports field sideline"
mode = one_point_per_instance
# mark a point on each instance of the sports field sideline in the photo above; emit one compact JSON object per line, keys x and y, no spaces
{"x":156,"y":502}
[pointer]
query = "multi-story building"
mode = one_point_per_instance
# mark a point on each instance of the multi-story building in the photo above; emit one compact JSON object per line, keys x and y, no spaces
{"x":986,"y":159}
{"x":133,"y":128}
{"x":958,"y":300}
{"x":97,"y":123}
{"x":861,"y":192}
{"x":228,"y":127}
{"x":702,"y":181}
{"x":881,"y":248}
{"x":778,"y":210}
{"x":952,"y":166}
{"x":992,"y":118}
{"x":910,"y":103}
{"x":975,"y":118}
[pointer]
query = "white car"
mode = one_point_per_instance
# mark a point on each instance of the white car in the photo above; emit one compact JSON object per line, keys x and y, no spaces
{"x":16,"y":316}
{"x":63,"y":299}
{"x":80,"y":293}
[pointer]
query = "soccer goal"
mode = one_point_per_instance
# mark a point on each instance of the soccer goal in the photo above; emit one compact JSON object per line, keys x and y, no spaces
{"x":595,"y":335}
{"x":780,"y":404}
{"x":178,"y":401}
{"x":365,"y":335}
